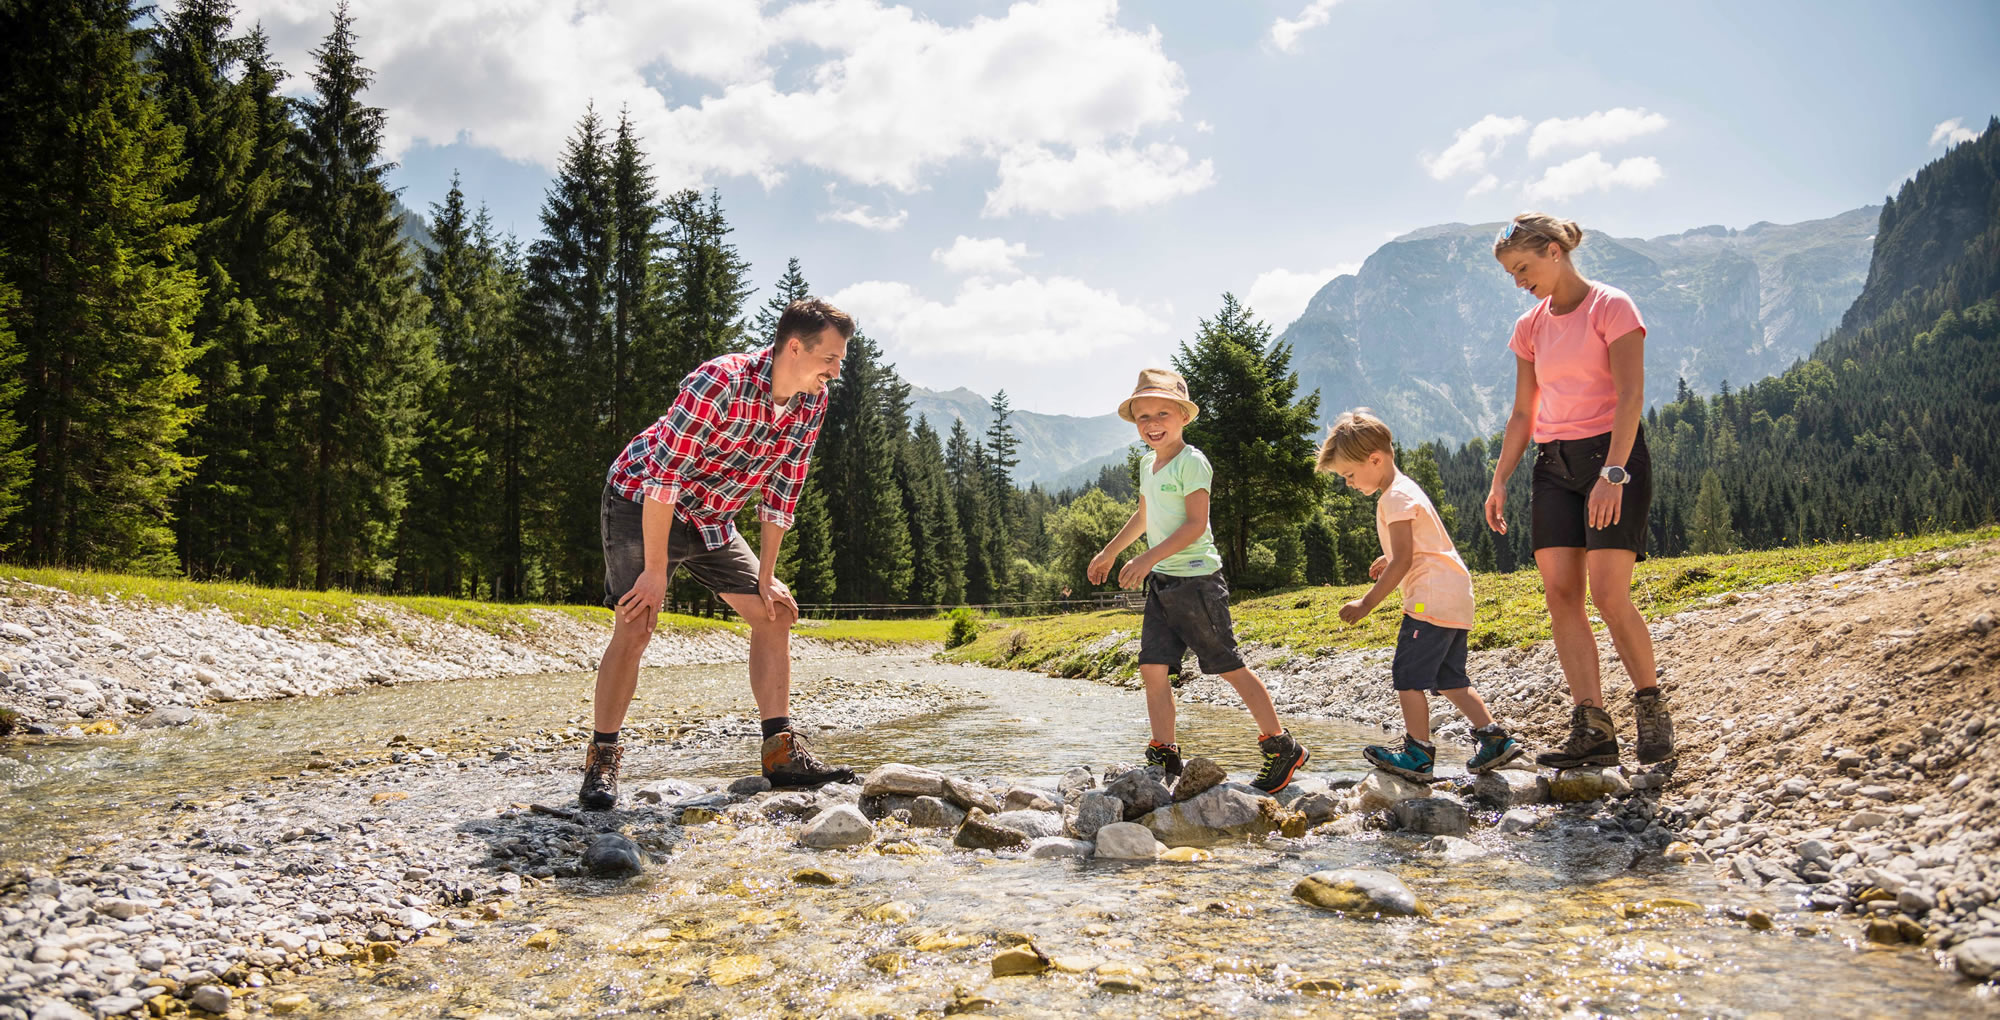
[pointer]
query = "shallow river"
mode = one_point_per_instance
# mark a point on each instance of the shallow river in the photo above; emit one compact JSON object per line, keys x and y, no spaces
{"x":1560,"y":921}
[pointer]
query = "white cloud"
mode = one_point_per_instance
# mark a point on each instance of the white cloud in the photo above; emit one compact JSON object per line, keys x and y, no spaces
{"x":1590,"y":172}
{"x":1030,"y":319}
{"x":1203,"y":127}
{"x":1473,"y":146}
{"x":981,"y":256}
{"x":1483,"y":185}
{"x":1952,"y":132}
{"x":1593,"y":130}
{"x":1280,"y":296}
{"x":866,"y":218}
{"x":1285,"y":32}
{"x":866,"y":91}
{"x":1034,"y":179}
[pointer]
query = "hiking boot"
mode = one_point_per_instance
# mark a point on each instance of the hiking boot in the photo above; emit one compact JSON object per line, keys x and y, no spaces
{"x":1282,"y":757}
{"x":1593,"y":740}
{"x":1413,"y":761}
{"x":600,"y":777}
{"x":1656,"y":726}
{"x":1167,"y":757}
{"x":789,"y":763}
{"x":1496,"y":748}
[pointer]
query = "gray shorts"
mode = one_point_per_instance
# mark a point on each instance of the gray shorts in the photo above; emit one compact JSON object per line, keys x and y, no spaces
{"x":1429,"y":657}
{"x":1184,"y":613}
{"x":730,"y":570}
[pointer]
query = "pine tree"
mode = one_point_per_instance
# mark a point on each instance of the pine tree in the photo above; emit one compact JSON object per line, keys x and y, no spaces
{"x":14,"y":461}
{"x":708,"y":283}
{"x":640,"y":347}
{"x":1710,"y":531}
{"x":791,"y":287}
{"x":1000,"y":518}
{"x":966,"y":463}
{"x":806,"y":557}
{"x":856,"y":460}
{"x":938,"y":547}
{"x":97,"y":253}
{"x":1322,"y":551}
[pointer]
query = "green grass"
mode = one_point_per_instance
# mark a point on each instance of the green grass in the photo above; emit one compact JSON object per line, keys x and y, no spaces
{"x":1510,"y":610}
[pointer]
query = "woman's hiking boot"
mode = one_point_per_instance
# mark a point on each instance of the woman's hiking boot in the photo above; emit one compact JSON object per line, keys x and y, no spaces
{"x":1593,"y":740}
{"x":1167,"y":757}
{"x":600,"y":776}
{"x":1496,"y":748}
{"x":1283,"y":756}
{"x":1414,"y":760}
{"x":789,"y":764}
{"x":1656,"y":726}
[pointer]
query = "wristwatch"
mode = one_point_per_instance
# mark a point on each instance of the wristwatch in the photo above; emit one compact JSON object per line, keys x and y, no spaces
{"x":1614,"y":474}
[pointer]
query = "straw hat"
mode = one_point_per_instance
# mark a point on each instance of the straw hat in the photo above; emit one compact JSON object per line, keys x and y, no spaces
{"x":1160,"y":382}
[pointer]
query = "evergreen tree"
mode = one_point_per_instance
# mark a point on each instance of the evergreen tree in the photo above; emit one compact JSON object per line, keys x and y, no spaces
{"x":506,"y":372}
{"x":806,"y":557}
{"x":856,"y":461}
{"x":938,"y":547}
{"x":1422,"y":467}
{"x":97,"y":255}
{"x":1711,"y":532}
{"x":1322,"y":551}
{"x":998,"y":523}
{"x":14,"y":461}
{"x":791,"y":287}
{"x":640,"y":346}
{"x":709,"y":283}
{"x":966,"y":463}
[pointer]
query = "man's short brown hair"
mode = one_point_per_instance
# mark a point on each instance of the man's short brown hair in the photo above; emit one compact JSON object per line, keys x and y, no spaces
{"x":1353,"y":437}
{"x":807,"y":318}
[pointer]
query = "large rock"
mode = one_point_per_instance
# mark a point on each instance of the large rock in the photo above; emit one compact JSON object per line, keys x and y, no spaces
{"x":1034,"y":823}
{"x":1360,"y":891}
{"x":935,"y":813}
{"x":1020,"y":959}
{"x":876,"y":808}
{"x":1226,"y":812}
{"x":1572,"y":786}
{"x":1510,"y":788}
{"x":1128,"y":841}
{"x":1096,"y":810}
{"x":839,"y":826}
{"x":978,"y":832}
{"x":612,"y":856}
{"x":1318,"y":807}
{"x":1977,"y":959}
{"x":1028,"y":798}
{"x":1075,"y":783}
{"x":797,"y":803}
{"x":666,"y":791}
{"x":967,"y":794}
{"x":896,"y":779}
{"x":1198,"y":776}
{"x":1434,"y":816}
{"x":1058,"y":846}
{"x":1141,"y":791}
{"x":1380,"y":791}
{"x":1519,"y":820}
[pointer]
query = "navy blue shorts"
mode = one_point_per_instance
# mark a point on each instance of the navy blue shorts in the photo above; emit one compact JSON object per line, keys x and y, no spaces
{"x":1429,"y":657}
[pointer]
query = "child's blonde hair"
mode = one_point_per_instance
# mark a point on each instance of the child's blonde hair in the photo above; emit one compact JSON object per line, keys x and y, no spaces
{"x":1353,"y":436}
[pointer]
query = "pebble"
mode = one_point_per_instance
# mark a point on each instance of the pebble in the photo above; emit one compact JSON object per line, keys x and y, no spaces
{"x":213,"y":998}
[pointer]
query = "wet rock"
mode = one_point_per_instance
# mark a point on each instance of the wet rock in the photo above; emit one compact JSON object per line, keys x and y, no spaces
{"x":968,"y":795}
{"x":612,"y":856}
{"x":1141,"y":792}
{"x":875,"y":808}
{"x":1017,"y":960}
{"x":935,"y":813}
{"x":1095,"y":810}
{"x":666,"y":791}
{"x":1128,"y":841}
{"x":1519,"y":820}
{"x":1359,"y":891}
{"x":1186,"y":855}
{"x":1318,"y":807}
{"x":1027,"y":798}
{"x":900,"y":780}
{"x":1433,"y":816}
{"x":978,"y":832}
{"x":1198,"y":776}
{"x":1977,"y":959}
{"x":1034,"y":823}
{"x":1509,"y":788}
{"x":1381,"y":791}
{"x":1893,"y":931}
{"x":1572,"y":786}
{"x":213,"y":998}
{"x":837,"y":827}
{"x":749,"y":785}
{"x":1453,"y":850}
{"x":1075,"y":783}
{"x":1224,"y":812}
{"x":797,"y":803}
{"x":1051,"y":847}
{"x":819,"y":877}
{"x":163,"y":718}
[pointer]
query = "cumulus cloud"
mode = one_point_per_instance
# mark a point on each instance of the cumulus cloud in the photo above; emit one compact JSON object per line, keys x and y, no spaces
{"x":1593,"y":130}
{"x":1030,"y":319}
{"x":1473,"y":146}
{"x":1590,"y":172}
{"x":981,"y":256}
{"x":866,"y":218}
{"x":1280,"y":296}
{"x":1285,"y":32}
{"x":1034,"y":179}
{"x":1952,"y":132}
{"x":1482,"y":186}
{"x":867,"y":91}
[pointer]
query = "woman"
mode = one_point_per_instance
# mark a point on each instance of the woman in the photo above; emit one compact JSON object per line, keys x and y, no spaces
{"x":1579,"y":388}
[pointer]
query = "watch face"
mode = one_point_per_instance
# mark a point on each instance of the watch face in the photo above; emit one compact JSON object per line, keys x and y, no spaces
{"x":1615,"y":475}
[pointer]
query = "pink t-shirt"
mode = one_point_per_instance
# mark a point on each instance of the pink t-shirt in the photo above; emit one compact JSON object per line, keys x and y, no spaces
{"x":1438,"y":587}
{"x":1572,"y":356}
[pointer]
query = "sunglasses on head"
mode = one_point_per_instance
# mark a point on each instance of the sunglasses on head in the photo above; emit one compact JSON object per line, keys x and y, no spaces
{"x":1507,"y":232}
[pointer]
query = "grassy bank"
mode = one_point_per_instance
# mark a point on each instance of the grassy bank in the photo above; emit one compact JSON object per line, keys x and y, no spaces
{"x":330,"y":613}
{"x":1510,"y":610}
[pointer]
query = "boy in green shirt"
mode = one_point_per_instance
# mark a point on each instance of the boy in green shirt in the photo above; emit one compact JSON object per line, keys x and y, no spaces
{"x":1187,"y":600}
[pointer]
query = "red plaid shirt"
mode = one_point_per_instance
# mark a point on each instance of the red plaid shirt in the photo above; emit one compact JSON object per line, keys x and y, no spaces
{"x":721,"y":441}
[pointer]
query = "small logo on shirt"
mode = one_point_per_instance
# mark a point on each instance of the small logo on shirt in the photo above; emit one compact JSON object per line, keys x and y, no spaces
{"x":1170,"y":487}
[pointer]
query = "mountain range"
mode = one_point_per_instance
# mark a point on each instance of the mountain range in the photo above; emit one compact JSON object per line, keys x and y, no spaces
{"x":1056,"y":451}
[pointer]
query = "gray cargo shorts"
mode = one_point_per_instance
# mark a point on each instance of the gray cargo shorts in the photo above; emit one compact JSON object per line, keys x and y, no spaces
{"x":730,"y":570}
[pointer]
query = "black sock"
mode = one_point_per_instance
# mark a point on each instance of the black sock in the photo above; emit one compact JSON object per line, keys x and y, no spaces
{"x":776,"y":724}
{"x":601,"y":737}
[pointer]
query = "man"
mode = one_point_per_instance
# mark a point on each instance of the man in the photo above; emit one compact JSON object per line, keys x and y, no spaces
{"x":743,"y":424}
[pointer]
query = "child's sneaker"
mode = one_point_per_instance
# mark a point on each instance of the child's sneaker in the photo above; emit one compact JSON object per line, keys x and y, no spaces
{"x":1593,"y":740}
{"x":1496,"y":748}
{"x":1656,"y":726}
{"x":1167,"y":757}
{"x":1282,"y":757}
{"x":1414,"y":761}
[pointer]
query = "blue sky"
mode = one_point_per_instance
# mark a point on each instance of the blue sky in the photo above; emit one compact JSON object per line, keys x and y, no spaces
{"x":1113,"y":168}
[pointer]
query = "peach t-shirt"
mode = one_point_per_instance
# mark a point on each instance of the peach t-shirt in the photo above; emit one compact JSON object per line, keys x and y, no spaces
{"x":1438,"y":587}
{"x":1572,"y":356}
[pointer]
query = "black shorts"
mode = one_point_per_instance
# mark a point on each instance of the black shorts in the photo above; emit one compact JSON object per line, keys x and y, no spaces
{"x":1185,"y":613}
{"x":1429,"y":657}
{"x":1559,"y":497}
{"x":730,"y":570}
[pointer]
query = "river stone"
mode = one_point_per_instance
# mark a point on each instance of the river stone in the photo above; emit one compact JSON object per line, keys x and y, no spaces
{"x":120,"y":1005}
{"x":213,"y":998}
{"x":1198,"y":776}
{"x":935,"y":813}
{"x":799,"y":803}
{"x":1433,"y":816}
{"x":1380,"y":791}
{"x":1034,"y":823}
{"x":967,"y":794}
{"x":750,"y":785}
{"x":979,"y":833}
{"x":1519,"y":820}
{"x":666,"y":790}
{"x":1361,"y":891}
{"x":1127,"y":841}
{"x":1454,"y":850}
{"x":900,"y":780}
{"x":1021,"y":959}
{"x":163,"y":718}
{"x":1977,"y":959}
{"x":1224,"y":812}
{"x":1572,"y":786}
{"x":612,"y":856}
{"x":58,"y":1010}
{"x":1096,"y":810}
{"x":1050,"y":847}
{"x":837,"y":827}
{"x":1075,"y":783}
{"x":876,"y":808}
{"x":1318,"y":807}
{"x":1027,"y":798}
{"x":1509,"y":788}
{"x":17,"y":632}
{"x":122,"y":909}
{"x":1141,"y":793}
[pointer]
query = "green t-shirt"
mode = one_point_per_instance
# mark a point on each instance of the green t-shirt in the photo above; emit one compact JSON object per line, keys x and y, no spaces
{"x":1165,"y":492}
